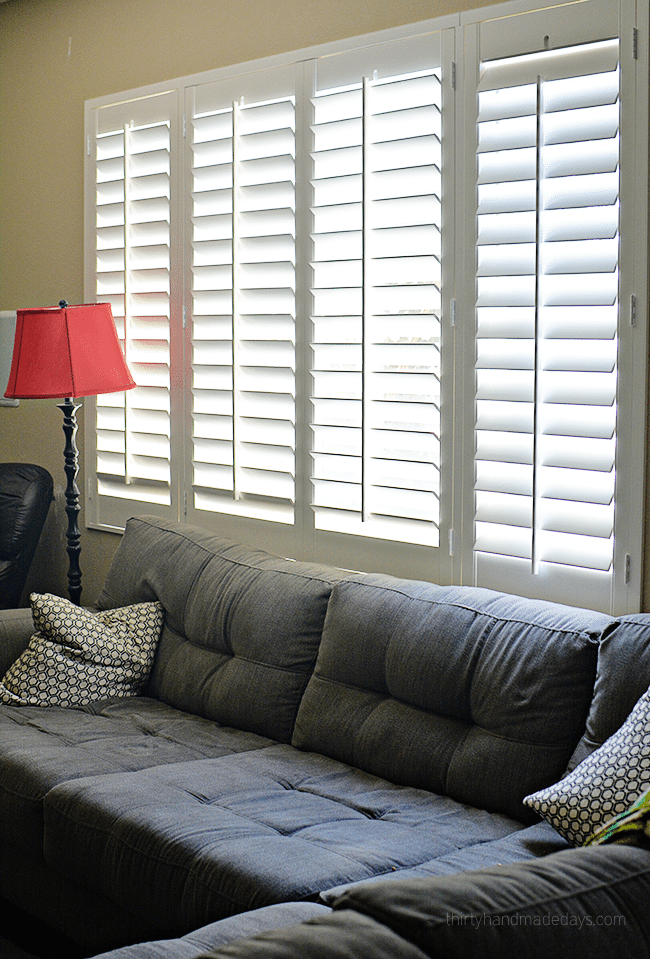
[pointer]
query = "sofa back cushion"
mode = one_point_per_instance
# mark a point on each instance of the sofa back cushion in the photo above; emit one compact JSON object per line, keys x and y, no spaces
{"x":622,"y":676}
{"x":242,"y":627}
{"x":556,"y":905}
{"x":466,"y":692}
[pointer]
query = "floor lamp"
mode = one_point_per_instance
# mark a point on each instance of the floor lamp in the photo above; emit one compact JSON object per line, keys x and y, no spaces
{"x":66,"y":352}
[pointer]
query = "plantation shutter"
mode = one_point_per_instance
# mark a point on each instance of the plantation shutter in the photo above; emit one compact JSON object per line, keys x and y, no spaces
{"x":242,"y":295}
{"x":385,"y":300}
{"x":377,"y":292}
{"x":547,"y":303}
{"x":132,"y":146}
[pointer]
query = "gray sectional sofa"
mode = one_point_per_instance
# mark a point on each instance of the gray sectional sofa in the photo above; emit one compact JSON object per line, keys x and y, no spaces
{"x":333,"y":763}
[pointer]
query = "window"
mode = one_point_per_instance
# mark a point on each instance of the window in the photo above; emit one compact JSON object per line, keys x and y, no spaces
{"x":242,"y":254}
{"x":385,"y":301}
{"x":132,"y":238}
{"x":376,"y":320}
{"x":553,"y":122}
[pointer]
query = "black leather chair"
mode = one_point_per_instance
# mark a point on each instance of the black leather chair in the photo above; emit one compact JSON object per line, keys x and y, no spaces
{"x":26,"y":492}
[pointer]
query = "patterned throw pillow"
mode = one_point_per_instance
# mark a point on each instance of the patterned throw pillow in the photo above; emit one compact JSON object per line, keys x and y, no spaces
{"x":604,"y":785}
{"x":78,"y":657}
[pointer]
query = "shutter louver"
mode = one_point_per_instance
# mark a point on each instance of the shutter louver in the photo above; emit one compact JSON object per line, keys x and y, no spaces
{"x":243,"y":308}
{"x":547,"y":317}
{"x":133,"y":274}
{"x":376,"y":308}
{"x":385,"y":300}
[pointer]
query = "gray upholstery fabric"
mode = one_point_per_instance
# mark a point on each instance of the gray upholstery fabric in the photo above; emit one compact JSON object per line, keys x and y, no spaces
{"x":16,"y":630}
{"x":220,"y":933}
{"x":470,"y":693}
{"x":43,"y":747}
{"x":529,"y":843}
{"x":348,"y":935}
{"x":242,"y":627}
{"x":579,"y":904}
{"x":263,"y":767}
{"x":80,"y":912}
{"x":203,"y":840}
{"x":622,"y":677}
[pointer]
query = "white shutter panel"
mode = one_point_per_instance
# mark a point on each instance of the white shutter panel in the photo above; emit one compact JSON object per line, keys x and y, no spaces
{"x":132,"y":239}
{"x":547,"y":319}
{"x":243,"y":296}
{"x":376,"y":295}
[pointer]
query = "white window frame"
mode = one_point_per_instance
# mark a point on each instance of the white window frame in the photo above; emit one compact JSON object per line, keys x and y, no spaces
{"x":452,"y":561}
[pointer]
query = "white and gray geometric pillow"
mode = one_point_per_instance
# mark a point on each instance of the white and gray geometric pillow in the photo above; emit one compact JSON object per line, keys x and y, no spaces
{"x":78,"y":657}
{"x":604,"y":784}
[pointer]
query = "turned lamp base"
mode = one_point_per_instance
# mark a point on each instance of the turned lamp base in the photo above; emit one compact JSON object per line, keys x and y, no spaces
{"x":72,"y":506}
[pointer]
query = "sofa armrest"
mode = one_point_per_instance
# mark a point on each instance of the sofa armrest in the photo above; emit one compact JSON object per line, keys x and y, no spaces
{"x":16,"y":630}
{"x":346,"y":935}
{"x":582,"y":903}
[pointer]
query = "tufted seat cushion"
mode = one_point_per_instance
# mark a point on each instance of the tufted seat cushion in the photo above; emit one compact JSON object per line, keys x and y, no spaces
{"x":209,"y":839}
{"x":43,"y":747}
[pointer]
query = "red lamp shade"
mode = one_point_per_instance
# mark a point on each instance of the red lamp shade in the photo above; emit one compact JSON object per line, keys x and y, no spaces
{"x":66,"y":352}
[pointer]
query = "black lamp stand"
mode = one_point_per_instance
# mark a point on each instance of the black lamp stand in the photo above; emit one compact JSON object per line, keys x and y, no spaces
{"x":72,"y":507}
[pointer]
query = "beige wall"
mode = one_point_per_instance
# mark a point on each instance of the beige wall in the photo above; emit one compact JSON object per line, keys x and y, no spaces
{"x":54,"y":55}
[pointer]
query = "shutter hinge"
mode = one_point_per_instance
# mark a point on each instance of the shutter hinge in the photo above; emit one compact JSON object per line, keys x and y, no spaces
{"x":451,"y":542}
{"x":184,"y":126}
{"x":635,"y":43}
{"x":184,"y":315}
{"x":87,"y":144}
{"x":628,"y":567}
{"x":185,"y":504}
{"x":633,"y":310}
{"x":453,"y":74}
{"x":452,"y":312}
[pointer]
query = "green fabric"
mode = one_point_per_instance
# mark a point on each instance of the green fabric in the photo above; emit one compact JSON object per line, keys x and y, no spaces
{"x":632,"y":827}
